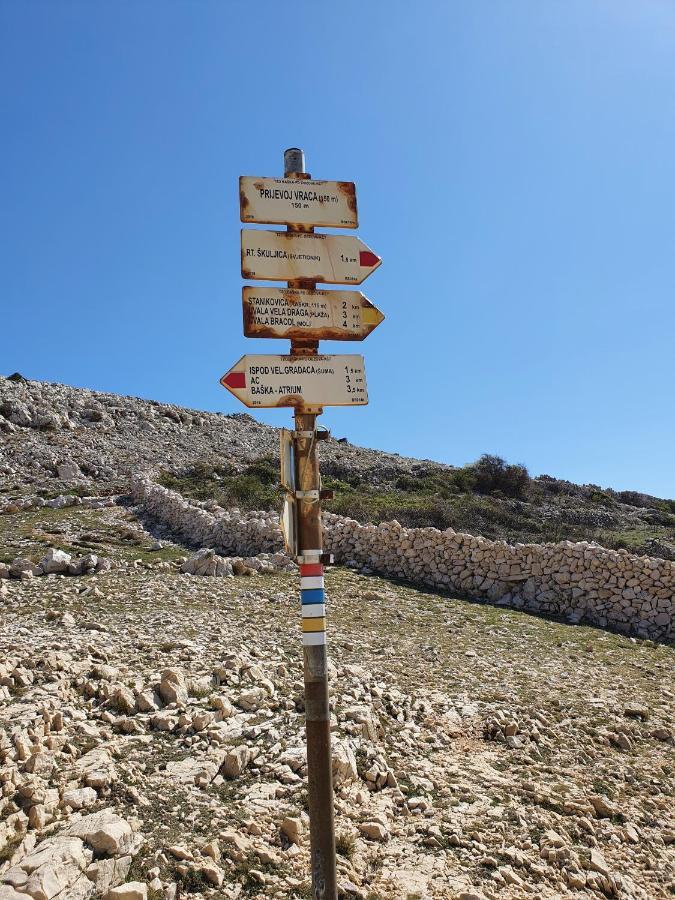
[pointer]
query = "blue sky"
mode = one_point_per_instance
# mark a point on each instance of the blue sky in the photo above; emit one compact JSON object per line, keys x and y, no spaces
{"x":514,"y":169}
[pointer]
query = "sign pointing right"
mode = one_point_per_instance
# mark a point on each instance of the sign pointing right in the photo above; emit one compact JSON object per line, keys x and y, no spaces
{"x":285,"y":256}
{"x":308,"y":315}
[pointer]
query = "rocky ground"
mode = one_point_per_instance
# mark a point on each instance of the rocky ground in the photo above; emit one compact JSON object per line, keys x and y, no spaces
{"x":151,"y":735}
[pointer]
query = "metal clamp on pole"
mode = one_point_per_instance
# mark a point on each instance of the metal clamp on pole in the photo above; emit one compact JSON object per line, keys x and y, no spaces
{"x":307,"y":557}
{"x":307,"y":435}
{"x":307,"y":495}
{"x":314,"y":556}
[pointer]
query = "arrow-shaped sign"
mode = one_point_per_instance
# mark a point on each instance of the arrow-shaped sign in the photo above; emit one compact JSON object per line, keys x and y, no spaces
{"x":294,"y":201}
{"x":287,"y":255}
{"x":308,"y":315}
{"x":298,"y":381}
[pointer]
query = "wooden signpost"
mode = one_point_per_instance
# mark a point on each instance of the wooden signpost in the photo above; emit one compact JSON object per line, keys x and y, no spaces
{"x":307,"y":381}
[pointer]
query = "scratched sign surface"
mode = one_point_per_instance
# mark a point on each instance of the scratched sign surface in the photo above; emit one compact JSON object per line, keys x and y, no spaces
{"x":284,"y":256}
{"x":311,"y":315}
{"x":300,"y":381}
{"x":294,"y":201}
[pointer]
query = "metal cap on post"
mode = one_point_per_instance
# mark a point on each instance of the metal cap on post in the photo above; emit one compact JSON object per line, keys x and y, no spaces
{"x":294,"y":161}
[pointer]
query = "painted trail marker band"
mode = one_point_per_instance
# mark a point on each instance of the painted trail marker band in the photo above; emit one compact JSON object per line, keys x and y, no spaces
{"x":312,"y":599}
{"x":309,"y":315}
{"x":299,"y":381}
{"x":287,"y":255}
{"x":291,"y":201}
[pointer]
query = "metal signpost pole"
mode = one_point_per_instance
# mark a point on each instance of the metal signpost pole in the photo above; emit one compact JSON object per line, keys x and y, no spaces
{"x":310,"y":546}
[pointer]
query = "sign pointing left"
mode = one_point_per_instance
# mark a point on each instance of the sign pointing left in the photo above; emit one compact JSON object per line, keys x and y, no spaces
{"x":299,"y":381}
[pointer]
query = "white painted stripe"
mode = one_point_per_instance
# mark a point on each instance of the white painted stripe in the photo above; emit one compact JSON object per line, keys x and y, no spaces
{"x":313,"y":610}
{"x":308,"y":582}
{"x":314,"y":639}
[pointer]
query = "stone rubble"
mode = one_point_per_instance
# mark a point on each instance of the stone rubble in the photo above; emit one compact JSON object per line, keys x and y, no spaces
{"x":55,"y":562}
{"x":207,"y":562}
{"x":164,"y":754}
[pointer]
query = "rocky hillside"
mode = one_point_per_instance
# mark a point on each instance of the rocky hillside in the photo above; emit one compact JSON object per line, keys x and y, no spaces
{"x":58,"y":439}
{"x":56,"y":436}
{"x":151,"y":698}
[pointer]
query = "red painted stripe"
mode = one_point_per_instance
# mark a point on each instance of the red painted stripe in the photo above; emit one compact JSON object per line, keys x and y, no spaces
{"x":235,"y":379}
{"x":311,"y":569}
{"x":367,"y":258}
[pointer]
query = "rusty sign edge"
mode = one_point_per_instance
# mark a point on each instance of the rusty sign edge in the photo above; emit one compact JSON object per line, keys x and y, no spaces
{"x":327,"y":333}
{"x":317,"y":276}
{"x":296,"y":401}
{"x":346,"y":188}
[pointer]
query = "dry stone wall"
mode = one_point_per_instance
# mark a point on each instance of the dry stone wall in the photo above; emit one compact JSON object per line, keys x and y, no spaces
{"x":230,"y":532}
{"x":579,"y":581}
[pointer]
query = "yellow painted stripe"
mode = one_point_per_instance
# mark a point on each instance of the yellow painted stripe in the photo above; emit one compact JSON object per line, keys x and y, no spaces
{"x":314,"y":624}
{"x":370,"y":316}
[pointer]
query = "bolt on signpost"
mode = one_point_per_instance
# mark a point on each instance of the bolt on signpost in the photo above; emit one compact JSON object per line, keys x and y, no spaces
{"x":306,"y":381}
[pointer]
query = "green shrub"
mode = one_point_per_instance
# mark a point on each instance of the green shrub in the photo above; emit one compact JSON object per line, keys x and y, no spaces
{"x":492,"y":473}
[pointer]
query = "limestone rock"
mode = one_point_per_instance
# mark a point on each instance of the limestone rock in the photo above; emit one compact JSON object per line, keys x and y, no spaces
{"x":55,"y":867}
{"x":375,"y":831}
{"x":132,"y":890}
{"x":80,"y":798}
{"x":108,"y":872}
{"x":293,"y":828}
{"x":54,"y":561}
{"x":172,"y":687}
{"x":105,"y":832}
{"x":235,"y":762}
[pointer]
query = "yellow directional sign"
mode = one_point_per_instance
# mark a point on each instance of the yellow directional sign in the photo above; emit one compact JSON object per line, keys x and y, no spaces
{"x":287,"y":255}
{"x":293,"y":201}
{"x":308,"y":315}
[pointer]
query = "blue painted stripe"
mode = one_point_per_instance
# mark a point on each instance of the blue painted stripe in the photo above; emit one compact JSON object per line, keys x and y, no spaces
{"x":316,"y":595}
